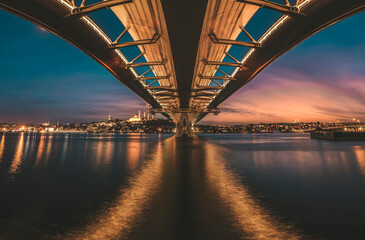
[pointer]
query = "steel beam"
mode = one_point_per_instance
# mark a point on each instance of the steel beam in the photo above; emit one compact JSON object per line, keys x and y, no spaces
{"x":202,"y":97}
{"x":136,"y":58}
{"x":204,"y":94}
{"x":203,"y":100}
{"x":285,"y":9}
{"x":167,"y":101}
{"x":217,"y":63}
{"x":162,"y":88}
{"x":164,"y":94}
{"x":122,"y":34}
{"x":214,"y":39}
{"x":247,"y":34}
{"x":165,"y":98}
{"x":152,"y":78}
{"x":225,"y":74}
{"x":143,"y":74}
{"x":217,"y":78}
{"x":151,"y":82}
{"x":219,"y":84}
{"x":153,"y":40}
{"x":163,"y":62}
{"x":84,"y":10}
{"x":208,"y":88}
{"x":185,"y":110}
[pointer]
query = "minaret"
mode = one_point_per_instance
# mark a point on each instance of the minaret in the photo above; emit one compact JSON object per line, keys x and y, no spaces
{"x":139,"y":114}
{"x":144,"y":115}
{"x":109,"y":117}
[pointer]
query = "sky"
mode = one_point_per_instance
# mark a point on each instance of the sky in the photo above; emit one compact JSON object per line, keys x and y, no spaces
{"x":44,"y":78}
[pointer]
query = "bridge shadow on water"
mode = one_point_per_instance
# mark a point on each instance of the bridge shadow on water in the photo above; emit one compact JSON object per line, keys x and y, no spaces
{"x":185,"y":191}
{"x":154,"y":186}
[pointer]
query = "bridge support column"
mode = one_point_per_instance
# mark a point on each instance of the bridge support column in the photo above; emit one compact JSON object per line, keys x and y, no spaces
{"x":183,"y":125}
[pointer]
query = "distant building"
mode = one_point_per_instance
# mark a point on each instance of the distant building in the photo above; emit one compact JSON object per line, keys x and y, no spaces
{"x":49,"y":129}
{"x":136,"y":118}
{"x":139,"y":119}
{"x":45,"y":124}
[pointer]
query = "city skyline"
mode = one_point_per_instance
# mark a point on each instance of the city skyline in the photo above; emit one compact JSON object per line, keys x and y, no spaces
{"x":320,"y":80}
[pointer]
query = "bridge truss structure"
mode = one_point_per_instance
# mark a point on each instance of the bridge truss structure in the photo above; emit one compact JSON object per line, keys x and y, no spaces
{"x":184,"y":67}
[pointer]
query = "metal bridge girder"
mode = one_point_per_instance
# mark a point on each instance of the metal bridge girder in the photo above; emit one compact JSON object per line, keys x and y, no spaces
{"x":163,"y":62}
{"x":153,"y":40}
{"x":151,"y":78}
{"x":84,"y":10}
{"x":161,"y":98}
{"x":217,"y":78}
{"x":185,"y":110}
{"x":214,"y":39}
{"x":203,"y":100}
{"x":159,"y":88}
{"x":204,"y":88}
{"x":204,"y":94}
{"x":231,"y":64}
{"x":164,"y":94}
{"x":285,"y":9}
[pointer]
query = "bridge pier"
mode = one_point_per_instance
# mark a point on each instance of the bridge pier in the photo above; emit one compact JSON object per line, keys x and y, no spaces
{"x":183,"y":125}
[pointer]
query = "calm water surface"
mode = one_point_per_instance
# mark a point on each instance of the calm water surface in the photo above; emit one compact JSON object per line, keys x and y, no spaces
{"x":217,"y":186}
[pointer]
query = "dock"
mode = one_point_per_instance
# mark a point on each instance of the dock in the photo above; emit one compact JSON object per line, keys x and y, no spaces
{"x":338,"y":135}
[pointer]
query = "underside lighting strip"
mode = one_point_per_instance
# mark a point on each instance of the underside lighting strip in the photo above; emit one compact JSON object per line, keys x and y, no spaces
{"x":262,"y":39}
{"x":268,"y":33}
{"x":99,"y":31}
{"x":106,"y":39}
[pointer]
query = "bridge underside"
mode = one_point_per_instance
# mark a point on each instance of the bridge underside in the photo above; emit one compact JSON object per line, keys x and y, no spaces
{"x":80,"y":32}
{"x":285,"y":34}
{"x":184,"y":44}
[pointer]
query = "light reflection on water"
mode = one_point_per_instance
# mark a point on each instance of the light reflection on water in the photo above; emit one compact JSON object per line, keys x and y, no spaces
{"x":253,"y":220}
{"x":64,"y":149}
{"x":318,"y":185}
{"x":360,"y":157}
{"x":108,"y":177}
{"x":2,"y":146}
{"x":116,"y":220}
{"x":91,"y":186}
{"x":133,"y":150}
{"x":18,"y":155}
{"x":40,"y":149}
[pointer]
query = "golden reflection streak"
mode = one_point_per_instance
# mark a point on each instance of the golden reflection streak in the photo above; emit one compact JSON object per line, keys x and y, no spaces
{"x":18,"y":155}
{"x":40,"y":149}
{"x":2,"y":146}
{"x":64,"y":149}
{"x":109,"y":152}
{"x":26,"y":146}
{"x":252,"y":220}
{"x":49,"y":147}
{"x":360,"y":157}
{"x":99,"y":151}
{"x":117,"y":220}
{"x":133,"y":151}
